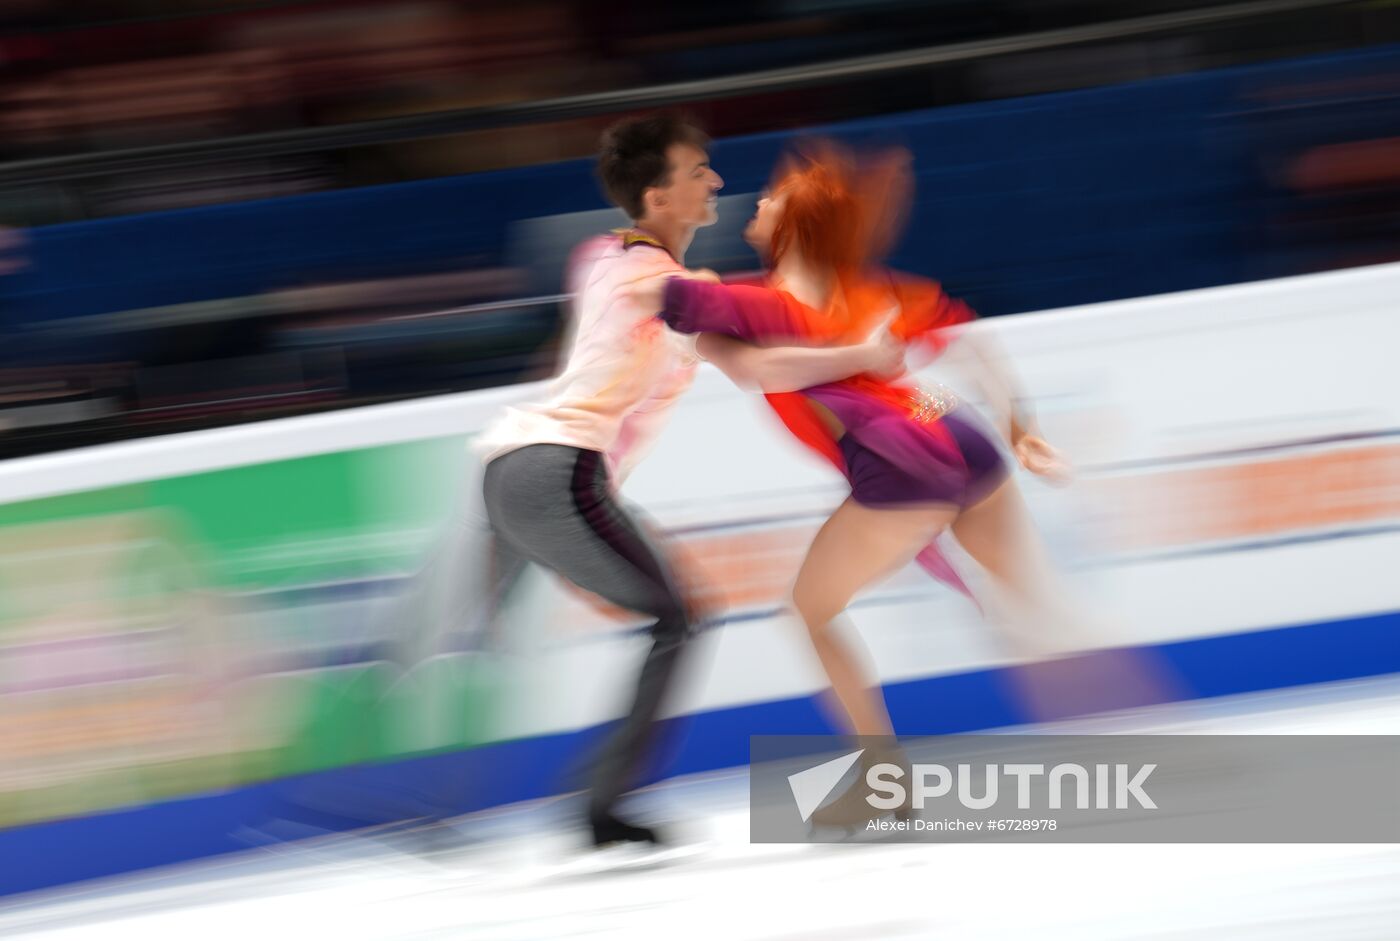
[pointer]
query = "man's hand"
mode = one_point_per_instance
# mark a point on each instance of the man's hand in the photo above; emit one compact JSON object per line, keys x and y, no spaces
{"x":882,"y":352}
{"x":1037,"y":456}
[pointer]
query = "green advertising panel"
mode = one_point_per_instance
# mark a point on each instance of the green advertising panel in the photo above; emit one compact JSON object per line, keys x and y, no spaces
{"x":204,"y":631}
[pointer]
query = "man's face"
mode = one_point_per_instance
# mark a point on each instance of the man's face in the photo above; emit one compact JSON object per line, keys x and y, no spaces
{"x":690,"y":197}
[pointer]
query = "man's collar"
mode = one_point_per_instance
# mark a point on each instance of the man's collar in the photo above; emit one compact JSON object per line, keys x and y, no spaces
{"x":634,"y":236}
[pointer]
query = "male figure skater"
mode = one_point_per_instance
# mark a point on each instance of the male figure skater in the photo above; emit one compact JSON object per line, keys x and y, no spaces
{"x":552,"y":469}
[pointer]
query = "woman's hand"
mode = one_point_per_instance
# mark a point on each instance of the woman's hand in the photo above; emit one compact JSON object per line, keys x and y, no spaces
{"x":1037,"y":456}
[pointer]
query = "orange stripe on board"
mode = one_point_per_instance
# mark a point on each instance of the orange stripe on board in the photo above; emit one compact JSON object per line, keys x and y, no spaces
{"x":1261,"y":498}
{"x":721,"y":572}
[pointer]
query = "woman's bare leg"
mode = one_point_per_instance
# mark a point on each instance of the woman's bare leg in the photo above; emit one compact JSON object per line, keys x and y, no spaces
{"x":1045,"y":624}
{"x":856,"y":546}
{"x":1001,"y":538}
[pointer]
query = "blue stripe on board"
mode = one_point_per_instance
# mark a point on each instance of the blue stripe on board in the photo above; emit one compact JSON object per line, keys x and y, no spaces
{"x":59,"y":852}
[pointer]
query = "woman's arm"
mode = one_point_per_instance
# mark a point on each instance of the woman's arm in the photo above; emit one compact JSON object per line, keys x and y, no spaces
{"x":1001,"y":381}
{"x":746,"y":312}
{"x":1031,"y":449}
{"x":739,"y":327}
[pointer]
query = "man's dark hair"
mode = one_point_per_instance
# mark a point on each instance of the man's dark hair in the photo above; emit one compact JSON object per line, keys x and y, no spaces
{"x":632,"y":157}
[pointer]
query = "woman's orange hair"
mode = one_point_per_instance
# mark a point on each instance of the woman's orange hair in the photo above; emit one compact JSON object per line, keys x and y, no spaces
{"x":839,"y":216}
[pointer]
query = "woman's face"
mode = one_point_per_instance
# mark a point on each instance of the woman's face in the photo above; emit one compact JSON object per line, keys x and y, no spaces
{"x":759,"y":232}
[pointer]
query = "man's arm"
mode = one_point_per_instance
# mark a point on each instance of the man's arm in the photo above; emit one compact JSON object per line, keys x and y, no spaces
{"x":790,"y":368}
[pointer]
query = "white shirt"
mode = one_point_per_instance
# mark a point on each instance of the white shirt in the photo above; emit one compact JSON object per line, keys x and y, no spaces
{"x":624,"y":370}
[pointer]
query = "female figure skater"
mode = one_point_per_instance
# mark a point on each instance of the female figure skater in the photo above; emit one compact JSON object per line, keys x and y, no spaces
{"x":917,"y":460}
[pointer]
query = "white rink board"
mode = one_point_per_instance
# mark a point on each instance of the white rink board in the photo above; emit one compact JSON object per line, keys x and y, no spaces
{"x":1297,"y":368}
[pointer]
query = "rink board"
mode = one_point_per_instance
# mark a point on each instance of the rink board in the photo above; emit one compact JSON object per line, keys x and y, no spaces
{"x":192,"y":622}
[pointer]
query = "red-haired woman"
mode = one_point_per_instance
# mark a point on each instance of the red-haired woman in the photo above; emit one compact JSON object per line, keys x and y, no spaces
{"x":918,"y":462}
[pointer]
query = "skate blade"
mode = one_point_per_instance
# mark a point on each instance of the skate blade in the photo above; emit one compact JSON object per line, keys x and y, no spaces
{"x":629,"y":857}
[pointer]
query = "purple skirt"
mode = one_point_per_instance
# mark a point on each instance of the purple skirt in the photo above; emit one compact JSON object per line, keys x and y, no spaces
{"x":877,"y":481}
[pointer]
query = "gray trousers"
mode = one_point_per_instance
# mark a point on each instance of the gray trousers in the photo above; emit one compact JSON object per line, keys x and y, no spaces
{"x":554,"y":505}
